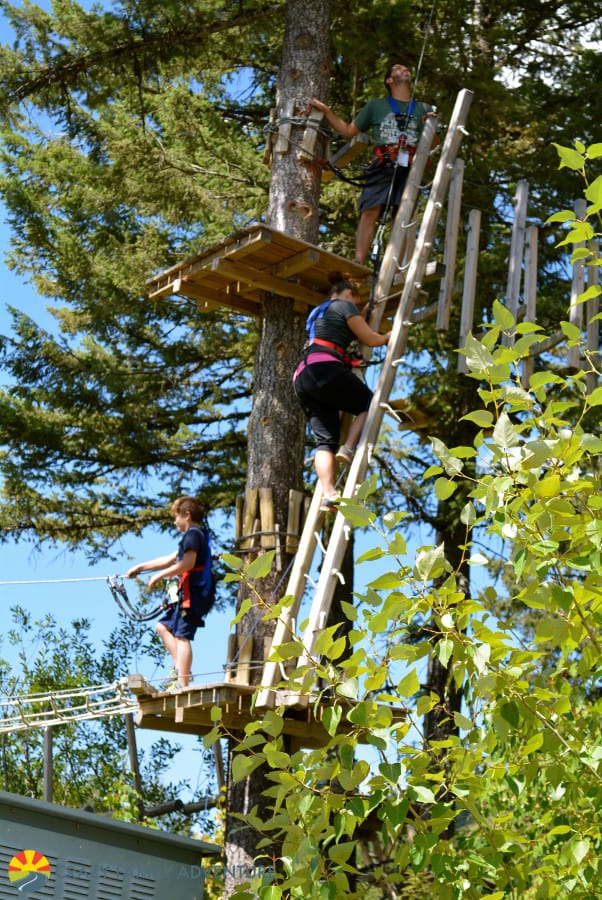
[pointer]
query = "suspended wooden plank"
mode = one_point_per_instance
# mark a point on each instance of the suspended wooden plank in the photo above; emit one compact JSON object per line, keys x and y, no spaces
{"x":266,"y":514}
{"x":350,"y":151}
{"x":285,"y":126}
{"x":249,"y":516}
{"x":238,"y":517}
{"x":293,"y":525}
{"x":269,"y":140}
{"x":307,"y":150}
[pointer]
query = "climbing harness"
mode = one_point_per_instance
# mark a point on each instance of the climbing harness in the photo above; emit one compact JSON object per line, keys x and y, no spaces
{"x":348,"y":359}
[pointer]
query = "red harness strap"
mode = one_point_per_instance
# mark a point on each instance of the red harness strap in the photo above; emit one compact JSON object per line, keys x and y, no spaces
{"x":346,"y":359}
{"x":390,"y":152}
{"x":185,"y":587}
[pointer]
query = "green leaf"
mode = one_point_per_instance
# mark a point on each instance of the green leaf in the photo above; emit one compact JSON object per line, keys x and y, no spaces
{"x":409,"y":684}
{"x":430,"y":563}
{"x":580,"y":849}
{"x":331,"y":718}
{"x":478,"y":357}
{"x":444,"y":649}
{"x":340,"y":853}
{"x":595,"y":398}
{"x":502,"y":316}
{"x":444,"y":488}
{"x":570,"y":158}
{"x":261,"y":566}
{"x":482,"y":418}
{"x":422,"y":793}
{"x":505,"y":434}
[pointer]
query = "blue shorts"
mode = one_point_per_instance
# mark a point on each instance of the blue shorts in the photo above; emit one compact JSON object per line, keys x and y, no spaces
{"x":181,"y":626}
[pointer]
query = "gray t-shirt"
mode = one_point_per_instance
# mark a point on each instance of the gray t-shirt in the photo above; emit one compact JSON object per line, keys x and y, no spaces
{"x":332,"y":326}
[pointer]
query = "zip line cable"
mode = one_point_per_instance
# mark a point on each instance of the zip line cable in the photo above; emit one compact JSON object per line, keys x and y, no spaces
{"x":59,"y":580}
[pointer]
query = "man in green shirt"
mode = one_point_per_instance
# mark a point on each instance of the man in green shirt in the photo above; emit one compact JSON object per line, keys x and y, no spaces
{"x":394,"y":123}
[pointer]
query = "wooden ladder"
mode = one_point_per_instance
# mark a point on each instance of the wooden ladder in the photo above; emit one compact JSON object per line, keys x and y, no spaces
{"x":402,"y":322}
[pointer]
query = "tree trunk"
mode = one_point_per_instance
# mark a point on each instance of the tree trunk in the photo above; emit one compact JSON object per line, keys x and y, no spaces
{"x":276,"y":426}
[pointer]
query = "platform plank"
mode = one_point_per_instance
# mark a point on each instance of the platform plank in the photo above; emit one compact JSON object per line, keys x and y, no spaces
{"x":236,"y":272}
{"x":189,"y":711}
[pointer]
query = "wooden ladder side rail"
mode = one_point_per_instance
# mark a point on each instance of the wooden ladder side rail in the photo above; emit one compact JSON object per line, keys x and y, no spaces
{"x":357,"y":472}
{"x":307,"y":544}
{"x":394,"y":251}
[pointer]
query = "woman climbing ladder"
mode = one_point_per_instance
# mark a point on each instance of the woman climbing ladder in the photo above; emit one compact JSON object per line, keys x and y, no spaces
{"x":324,"y":381}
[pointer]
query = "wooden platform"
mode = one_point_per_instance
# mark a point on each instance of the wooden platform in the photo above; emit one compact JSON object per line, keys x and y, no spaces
{"x":236,"y":272}
{"x":189,"y":711}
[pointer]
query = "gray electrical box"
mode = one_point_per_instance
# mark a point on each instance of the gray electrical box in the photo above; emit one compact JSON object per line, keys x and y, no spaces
{"x":53,"y":851}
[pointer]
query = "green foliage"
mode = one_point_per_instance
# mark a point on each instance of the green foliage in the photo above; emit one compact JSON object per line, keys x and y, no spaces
{"x":90,"y":757}
{"x":506,"y":805}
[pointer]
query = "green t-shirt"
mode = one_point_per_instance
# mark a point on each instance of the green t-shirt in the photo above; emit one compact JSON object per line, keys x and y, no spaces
{"x":378,"y":119}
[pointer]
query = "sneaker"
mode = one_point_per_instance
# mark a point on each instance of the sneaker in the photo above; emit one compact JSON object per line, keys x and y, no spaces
{"x":344,"y":455}
{"x":329,"y":504}
{"x":171,"y":681}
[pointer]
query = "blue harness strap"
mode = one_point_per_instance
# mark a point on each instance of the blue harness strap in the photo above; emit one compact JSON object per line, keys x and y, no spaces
{"x":318,"y":312}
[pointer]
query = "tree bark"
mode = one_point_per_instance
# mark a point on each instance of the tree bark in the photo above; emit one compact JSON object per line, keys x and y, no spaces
{"x":276,"y":426}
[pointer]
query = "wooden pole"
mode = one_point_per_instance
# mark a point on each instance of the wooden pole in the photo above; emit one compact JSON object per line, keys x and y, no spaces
{"x":577,"y":287}
{"x":470,"y":282}
{"x":517,"y":250}
{"x":530,"y":297}
{"x":452,"y":225}
{"x":593,"y":325}
{"x":48,"y":763}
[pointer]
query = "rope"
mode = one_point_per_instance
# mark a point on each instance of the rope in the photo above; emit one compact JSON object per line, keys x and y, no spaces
{"x":58,"y":580}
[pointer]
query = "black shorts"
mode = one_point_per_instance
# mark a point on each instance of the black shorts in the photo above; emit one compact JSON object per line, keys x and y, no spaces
{"x":383,"y":186}
{"x":326,"y":389}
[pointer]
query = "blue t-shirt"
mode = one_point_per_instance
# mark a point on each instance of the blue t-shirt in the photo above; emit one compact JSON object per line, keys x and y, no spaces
{"x":194,"y":539}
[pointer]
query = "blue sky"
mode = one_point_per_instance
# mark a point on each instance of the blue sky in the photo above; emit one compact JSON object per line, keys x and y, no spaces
{"x":57,"y":571}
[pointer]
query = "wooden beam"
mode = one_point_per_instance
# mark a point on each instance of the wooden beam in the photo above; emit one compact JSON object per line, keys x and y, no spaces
{"x":284,"y":127}
{"x":307,"y":151}
{"x":266,"y":514}
{"x":530,"y":297}
{"x":300,"y":262}
{"x":258,"y":278}
{"x":593,"y":323}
